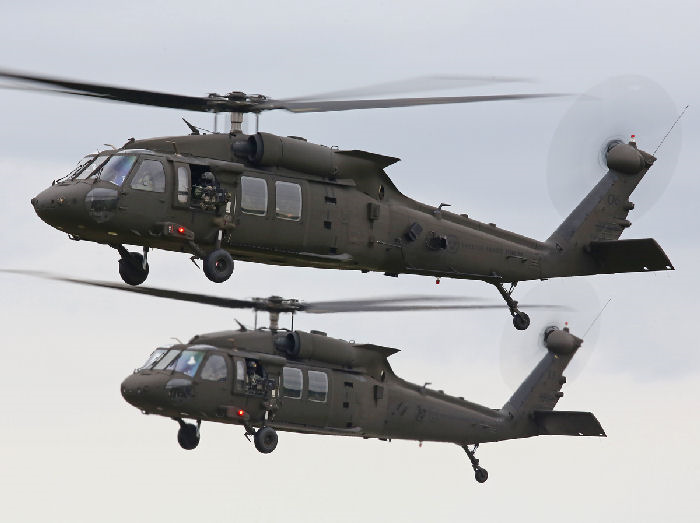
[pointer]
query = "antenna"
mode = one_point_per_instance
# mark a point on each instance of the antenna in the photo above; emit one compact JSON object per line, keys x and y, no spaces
{"x":596,"y":318}
{"x":671,"y":129}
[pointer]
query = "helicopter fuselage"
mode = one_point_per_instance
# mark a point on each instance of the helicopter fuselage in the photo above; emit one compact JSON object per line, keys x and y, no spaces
{"x":353,"y":219}
{"x":284,"y":201}
{"x":246,"y":378}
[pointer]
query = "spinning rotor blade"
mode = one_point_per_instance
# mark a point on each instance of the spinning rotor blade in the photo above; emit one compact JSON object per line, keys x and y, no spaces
{"x":613,"y":110}
{"x":277,"y":304}
{"x":191,"y":297}
{"x":236,"y":101}
{"x":409,"y":85}
{"x":522,"y":350}
{"x":120,"y":94}
{"x":321,"y":106}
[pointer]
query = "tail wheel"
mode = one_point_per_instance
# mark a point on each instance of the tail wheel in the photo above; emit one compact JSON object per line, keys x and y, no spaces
{"x":218,"y":266}
{"x":265,"y":440}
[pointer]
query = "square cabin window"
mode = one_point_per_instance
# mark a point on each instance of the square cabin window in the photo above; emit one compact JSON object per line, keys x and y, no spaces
{"x":253,"y":195}
{"x":288,"y":201}
{"x":318,"y":386}
{"x":292,"y":382}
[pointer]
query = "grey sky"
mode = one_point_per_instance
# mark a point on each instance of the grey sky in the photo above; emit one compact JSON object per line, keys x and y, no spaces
{"x":72,"y":450}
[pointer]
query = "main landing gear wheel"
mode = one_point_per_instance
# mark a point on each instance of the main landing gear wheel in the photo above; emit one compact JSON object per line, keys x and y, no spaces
{"x":133,"y":267}
{"x":265,"y":440}
{"x":188,"y":435}
{"x":521,"y":321}
{"x":480,"y":473}
{"x":218,"y":266}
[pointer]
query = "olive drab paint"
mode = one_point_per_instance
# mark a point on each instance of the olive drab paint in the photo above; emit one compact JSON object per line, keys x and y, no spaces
{"x":284,"y":201}
{"x":276,"y":380}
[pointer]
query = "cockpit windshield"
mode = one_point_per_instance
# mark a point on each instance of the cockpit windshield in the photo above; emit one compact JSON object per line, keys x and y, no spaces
{"x":84,"y":168}
{"x":188,"y":362}
{"x":153,"y":358}
{"x":116,"y":169}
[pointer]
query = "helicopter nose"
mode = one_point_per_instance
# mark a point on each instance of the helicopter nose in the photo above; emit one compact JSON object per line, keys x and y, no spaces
{"x":135,"y":391}
{"x":61,"y":206}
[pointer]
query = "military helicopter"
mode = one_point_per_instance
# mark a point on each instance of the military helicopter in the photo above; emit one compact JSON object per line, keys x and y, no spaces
{"x":285,"y":201}
{"x":273,"y":379}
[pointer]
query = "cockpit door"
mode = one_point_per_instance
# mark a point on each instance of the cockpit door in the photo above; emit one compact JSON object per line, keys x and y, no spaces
{"x":213,"y":383}
{"x":143,"y":197}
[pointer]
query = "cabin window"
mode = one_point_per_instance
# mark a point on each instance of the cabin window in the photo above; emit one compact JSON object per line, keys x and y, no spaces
{"x":116,"y":169}
{"x":183,"y":184}
{"x":167,"y":359}
{"x":288,"y":200}
{"x":215,"y":368}
{"x":292,"y":382}
{"x":253,"y":195}
{"x":318,"y":386}
{"x":150,"y":176}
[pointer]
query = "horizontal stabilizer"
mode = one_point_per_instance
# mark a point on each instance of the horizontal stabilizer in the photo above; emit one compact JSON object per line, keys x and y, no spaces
{"x":629,"y":256}
{"x":563,"y":423}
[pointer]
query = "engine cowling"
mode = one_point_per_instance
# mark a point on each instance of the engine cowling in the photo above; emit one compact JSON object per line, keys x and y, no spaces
{"x":269,"y":150}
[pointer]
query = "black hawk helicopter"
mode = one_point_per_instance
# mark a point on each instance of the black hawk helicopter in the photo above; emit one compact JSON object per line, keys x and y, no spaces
{"x":285,"y":201}
{"x":271,"y":379}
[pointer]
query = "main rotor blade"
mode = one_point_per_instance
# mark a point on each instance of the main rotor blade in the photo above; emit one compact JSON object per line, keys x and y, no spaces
{"x":122,"y":94}
{"x":321,"y":106}
{"x":419,"y":307}
{"x":191,"y":297}
{"x":409,"y":85}
{"x":237,"y":102}
{"x":276,"y":304}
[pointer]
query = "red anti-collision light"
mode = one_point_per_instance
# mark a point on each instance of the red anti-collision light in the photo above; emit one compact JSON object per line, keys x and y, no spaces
{"x":241,"y":413}
{"x":181,"y":230}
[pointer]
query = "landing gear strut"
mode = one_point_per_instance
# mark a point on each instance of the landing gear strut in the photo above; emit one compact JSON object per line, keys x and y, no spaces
{"x":521,"y":321}
{"x":133,"y":266}
{"x":188,"y":434}
{"x":480,"y":474}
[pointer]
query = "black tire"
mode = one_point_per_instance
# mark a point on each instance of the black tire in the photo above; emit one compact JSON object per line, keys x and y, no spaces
{"x":187,"y":436}
{"x":521,"y":321}
{"x":481,"y":475}
{"x":218,"y":266}
{"x":131,"y":269}
{"x":265,"y":440}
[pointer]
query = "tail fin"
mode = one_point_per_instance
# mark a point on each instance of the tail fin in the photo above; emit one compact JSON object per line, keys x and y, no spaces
{"x":579,"y":242}
{"x":532,"y":404}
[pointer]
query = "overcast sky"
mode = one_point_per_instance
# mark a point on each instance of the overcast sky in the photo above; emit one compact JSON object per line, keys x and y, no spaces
{"x":72,"y":450}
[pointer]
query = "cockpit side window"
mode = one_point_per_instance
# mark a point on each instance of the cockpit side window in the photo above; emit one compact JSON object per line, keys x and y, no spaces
{"x":116,"y":169}
{"x":215,"y":368}
{"x":150,"y":176}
